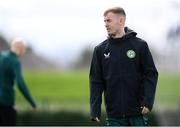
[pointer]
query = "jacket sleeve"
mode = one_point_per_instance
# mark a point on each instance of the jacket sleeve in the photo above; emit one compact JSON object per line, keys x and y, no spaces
{"x":96,"y":85}
{"x":149,"y":77}
{"x":21,"y":84}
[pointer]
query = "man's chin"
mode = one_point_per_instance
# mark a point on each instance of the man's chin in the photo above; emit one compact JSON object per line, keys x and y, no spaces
{"x":111,"y":35}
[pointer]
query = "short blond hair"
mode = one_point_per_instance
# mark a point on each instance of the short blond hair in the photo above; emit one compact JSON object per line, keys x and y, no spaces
{"x":18,"y":46}
{"x":115,"y":10}
{"x":19,"y":40}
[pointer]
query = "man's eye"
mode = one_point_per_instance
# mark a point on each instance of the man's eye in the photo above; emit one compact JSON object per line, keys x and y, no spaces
{"x":108,"y":20}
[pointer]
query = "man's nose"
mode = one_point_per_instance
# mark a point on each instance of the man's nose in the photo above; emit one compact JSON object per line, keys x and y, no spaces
{"x":106,"y":25}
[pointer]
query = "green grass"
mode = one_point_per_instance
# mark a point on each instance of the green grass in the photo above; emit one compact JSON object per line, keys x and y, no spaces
{"x":167,"y":93}
{"x":61,"y":86}
{"x":64,"y":89}
{"x":59,"y":90}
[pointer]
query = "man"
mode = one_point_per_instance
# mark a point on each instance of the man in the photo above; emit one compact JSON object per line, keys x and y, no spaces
{"x":122,"y":67}
{"x":10,"y":70}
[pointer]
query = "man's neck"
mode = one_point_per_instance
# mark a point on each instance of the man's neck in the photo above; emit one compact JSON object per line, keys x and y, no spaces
{"x":15,"y":52}
{"x":120,"y":34}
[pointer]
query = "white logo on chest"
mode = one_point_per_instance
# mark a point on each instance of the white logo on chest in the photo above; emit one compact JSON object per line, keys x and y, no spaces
{"x":107,"y":55}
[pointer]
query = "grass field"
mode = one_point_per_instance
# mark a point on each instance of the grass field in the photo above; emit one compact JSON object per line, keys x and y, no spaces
{"x":167,"y":94}
{"x":54,"y":90}
{"x":70,"y":90}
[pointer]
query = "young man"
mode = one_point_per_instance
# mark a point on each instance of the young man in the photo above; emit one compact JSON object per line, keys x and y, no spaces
{"x":10,"y":70}
{"x":122,"y":67}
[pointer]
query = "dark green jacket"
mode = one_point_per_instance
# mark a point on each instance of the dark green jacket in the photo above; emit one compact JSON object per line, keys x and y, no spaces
{"x":10,"y":71}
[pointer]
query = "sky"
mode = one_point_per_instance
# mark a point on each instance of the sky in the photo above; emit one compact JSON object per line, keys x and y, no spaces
{"x":60,"y":29}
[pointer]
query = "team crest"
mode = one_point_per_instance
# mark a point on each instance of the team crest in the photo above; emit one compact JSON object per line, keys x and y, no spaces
{"x":131,"y":54}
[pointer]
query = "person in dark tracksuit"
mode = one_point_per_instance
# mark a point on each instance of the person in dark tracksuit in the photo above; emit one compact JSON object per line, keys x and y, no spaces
{"x":10,"y":70}
{"x":122,"y":68}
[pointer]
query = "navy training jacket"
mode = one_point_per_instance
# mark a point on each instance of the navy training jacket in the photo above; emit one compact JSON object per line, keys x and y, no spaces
{"x":124,"y":70}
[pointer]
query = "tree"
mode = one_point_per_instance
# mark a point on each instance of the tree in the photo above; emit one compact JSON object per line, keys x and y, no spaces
{"x":3,"y":43}
{"x":84,"y":60}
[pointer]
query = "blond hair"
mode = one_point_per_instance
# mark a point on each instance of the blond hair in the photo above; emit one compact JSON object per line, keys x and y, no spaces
{"x":115,"y":10}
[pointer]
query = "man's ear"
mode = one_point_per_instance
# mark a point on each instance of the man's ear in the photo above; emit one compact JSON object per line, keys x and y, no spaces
{"x":122,"y":20}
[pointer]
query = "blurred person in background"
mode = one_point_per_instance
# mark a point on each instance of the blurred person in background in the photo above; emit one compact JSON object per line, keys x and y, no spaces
{"x":123,"y":68}
{"x":10,"y":70}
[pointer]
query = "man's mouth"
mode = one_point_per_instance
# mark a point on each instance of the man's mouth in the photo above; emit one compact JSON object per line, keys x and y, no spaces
{"x":108,"y":29}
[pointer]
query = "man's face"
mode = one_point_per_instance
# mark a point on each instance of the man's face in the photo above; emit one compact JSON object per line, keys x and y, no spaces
{"x":113,"y":23}
{"x":22,"y":50}
{"x":19,"y":47}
